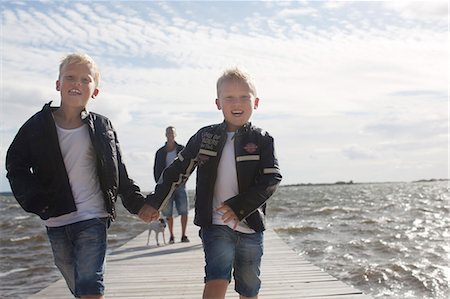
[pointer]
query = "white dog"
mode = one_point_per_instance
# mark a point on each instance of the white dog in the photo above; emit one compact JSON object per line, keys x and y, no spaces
{"x":158,"y":226}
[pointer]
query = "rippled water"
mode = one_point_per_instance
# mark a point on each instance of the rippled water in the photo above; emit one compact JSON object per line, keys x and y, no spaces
{"x":26,"y":264}
{"x":389,"y":240}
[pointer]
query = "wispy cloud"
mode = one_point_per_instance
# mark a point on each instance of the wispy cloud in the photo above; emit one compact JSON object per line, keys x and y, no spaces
{"x":355,"y":152}
{"x":423,"y":10}
{"x":295,"y":12}
{"x":340,"y":76}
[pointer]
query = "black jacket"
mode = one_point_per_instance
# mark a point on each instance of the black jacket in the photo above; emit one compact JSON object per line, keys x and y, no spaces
{"x":257,"y":172}
{"x":160,"y":160}
{"x":38,"y":177}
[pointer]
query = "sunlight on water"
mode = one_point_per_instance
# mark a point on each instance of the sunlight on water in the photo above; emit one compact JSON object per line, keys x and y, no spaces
{"x":389,"y":240}
{"x":26,"y":259}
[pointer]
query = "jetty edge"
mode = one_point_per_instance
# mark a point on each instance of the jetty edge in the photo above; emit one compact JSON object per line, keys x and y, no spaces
{"x":175,"y":271}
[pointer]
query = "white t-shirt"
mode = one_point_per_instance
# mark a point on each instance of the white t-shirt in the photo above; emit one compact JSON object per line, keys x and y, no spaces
{"x":80,"y":162}
{"x":171,"y":156}
{"x":227,"y":185}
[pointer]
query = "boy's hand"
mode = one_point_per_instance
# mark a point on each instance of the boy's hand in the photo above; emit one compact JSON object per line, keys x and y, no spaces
{"x":228,"y":215}
{"x":148,"y":213}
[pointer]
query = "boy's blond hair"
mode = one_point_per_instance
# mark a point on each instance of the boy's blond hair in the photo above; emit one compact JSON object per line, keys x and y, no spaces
{"x":81,"y":58}
{"x":236,"y":74}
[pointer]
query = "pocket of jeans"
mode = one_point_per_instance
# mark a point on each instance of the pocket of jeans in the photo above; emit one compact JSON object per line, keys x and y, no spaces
{"x":104,"y":220}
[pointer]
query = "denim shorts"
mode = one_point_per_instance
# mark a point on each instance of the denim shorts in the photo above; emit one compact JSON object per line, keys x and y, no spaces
{"x":180,"y":200}
{"x":227,"y":250}
{"x":79,"y":251}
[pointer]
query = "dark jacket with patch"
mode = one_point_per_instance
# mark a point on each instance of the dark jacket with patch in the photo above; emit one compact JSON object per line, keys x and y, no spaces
{"x":257,"y":170}
{"x":38,"y":177}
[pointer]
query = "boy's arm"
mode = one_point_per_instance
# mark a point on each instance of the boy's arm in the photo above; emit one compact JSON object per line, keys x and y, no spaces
{"x":131,"y":195}
{"x":175,"y":174}
{"x":25,"y":186}
{"x":266,"y":182}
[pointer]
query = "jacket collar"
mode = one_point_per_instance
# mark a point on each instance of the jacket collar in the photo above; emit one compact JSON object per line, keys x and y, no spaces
{"x":244,"y":128}
{"x":241,"y":130}
{"x":48,"y":108}
{"x":84,"y":114}
{"x":177,"y":146}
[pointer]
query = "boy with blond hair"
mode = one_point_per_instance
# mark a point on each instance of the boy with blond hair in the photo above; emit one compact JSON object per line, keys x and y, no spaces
{"x":237,"y":171}
{"x":65,"y":165}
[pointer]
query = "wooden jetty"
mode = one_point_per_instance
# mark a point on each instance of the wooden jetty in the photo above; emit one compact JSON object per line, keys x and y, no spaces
{"x":137,"y":271}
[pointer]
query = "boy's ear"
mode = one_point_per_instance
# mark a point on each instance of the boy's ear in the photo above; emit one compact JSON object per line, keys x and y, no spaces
{"x":218,"y":104}
{"x":58,"y":87}
{"x":95,"y":93}
{"x":255,"y":105}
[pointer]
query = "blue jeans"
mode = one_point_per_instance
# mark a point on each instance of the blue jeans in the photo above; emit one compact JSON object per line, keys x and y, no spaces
{"x":179,"y":198}
{"x":79,"y":251}
{"x":225,"y":250}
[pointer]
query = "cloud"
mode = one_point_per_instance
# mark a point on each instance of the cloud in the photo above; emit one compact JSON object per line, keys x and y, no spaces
{"x":332,"y":86}
{"x":295,"y":12}
{"x":421,"y":10}
{"x":431,"y":94}
{"x":355,"y":152}
{"x":422,"y":129}
{"x":335,"y":4}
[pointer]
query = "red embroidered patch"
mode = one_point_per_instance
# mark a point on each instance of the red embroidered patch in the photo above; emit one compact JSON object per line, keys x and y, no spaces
{"x":250,"y":148}
{"x":202,"y":159}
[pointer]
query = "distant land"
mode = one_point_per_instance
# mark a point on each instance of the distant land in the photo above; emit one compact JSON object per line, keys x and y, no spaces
{"x":351,"y":182}
{"x":431,"y":180}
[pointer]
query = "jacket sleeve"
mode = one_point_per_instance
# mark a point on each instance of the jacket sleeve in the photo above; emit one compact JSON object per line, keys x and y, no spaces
{"x":27,"y":189}
{"x":131,"y":195}
{"x":175,"y":174}
{"x":266,"y":182}
{"x":160,"y":163}
{"x":155,"y":166}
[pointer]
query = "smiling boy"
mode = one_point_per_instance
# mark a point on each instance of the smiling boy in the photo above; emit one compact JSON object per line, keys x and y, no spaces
{"x":65,"y":165}
{"x":237,"y":171}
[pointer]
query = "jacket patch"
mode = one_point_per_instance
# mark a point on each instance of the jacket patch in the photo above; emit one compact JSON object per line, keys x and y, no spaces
{"x":110,"y":134}
{"x":202,"y":159}
{"x":247,"y":158}
{"x":207,"y":152}
{"x":271,"y":170}
{"x":250,"y":148}
{"x":210,"y":141}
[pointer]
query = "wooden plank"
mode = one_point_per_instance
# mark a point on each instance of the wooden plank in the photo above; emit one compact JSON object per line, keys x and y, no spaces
{"x":135,"y":271}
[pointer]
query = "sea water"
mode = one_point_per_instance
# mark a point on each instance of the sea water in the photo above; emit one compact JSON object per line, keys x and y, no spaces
{"x":390,"y":240}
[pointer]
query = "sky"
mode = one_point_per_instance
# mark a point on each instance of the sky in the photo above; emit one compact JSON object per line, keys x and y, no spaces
{"x":350,"y":90}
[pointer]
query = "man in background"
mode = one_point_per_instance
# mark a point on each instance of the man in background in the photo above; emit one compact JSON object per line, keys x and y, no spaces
{"x":163,"y":158}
